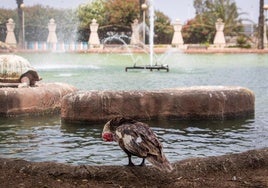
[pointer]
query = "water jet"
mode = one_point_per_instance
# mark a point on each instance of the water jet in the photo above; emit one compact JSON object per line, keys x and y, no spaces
{"x":153,"y":64}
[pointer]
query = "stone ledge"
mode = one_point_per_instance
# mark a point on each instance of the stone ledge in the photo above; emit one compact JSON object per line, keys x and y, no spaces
{"x":202,"y":102}
{"x":43,"y":99}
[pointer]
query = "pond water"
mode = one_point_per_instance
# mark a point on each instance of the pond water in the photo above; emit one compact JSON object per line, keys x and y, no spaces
{"x":47,"y":139}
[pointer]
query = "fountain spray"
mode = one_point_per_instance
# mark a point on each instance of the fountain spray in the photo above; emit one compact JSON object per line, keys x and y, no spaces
{"x":151,"y":45}
{"x":151,"y":39}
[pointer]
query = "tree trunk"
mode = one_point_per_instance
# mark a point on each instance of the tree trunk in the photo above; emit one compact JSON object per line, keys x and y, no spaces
{"x":261,"y":26}
{"x":19,"y":2}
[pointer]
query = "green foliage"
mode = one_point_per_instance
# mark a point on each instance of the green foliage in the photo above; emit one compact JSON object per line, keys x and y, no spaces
{"x":122,"y":12}
{"x":116,"y":16}
{"x":110,"y":14}
{"x":242,"y":42}
{"x":36,"y":22}
{"x":87,"y":12}
{"x":208,"y":11}
{"x":193,"y":32}
{"x":163,"y":28}
{"x":5,"y":14}
{"x":113,"y":16}
{"x":226,"y":10}
{"x":37,"y":18}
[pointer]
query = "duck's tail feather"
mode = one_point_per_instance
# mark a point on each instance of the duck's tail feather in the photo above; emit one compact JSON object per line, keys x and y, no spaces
{"x":160,"y":162}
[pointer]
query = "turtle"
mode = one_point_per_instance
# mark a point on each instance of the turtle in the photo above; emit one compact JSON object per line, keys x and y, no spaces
{"x":17,"y":71}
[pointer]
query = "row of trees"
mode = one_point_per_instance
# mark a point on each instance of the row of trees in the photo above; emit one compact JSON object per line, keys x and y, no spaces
{"x":201,"y":29}
{"x":116,"y":16}
{"x":74,"y":24}
{"x":36,"y":20}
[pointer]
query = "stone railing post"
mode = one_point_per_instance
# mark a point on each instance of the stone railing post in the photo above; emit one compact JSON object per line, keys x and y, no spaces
{"x":135,"y":37}
{"x":94,"y":37}
{"x":219,"y":40}
{"x":177,"y":39}
{"x":52,"y":37}
{"x":10,"y":38}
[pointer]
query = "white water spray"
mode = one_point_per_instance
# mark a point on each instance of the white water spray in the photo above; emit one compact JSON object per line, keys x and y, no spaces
{"x":151,"y":35}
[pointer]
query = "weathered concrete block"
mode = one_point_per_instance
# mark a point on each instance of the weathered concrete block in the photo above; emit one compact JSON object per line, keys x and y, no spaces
{"x":43,"y":99}
{"x":208,"y":102}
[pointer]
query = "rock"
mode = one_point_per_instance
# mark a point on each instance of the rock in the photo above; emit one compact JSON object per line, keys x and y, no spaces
{"x":42,"y":99}
{"x":209,"y":102}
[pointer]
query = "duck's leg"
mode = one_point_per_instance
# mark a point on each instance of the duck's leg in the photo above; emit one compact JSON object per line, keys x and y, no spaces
{"x":143,"y":162}
{"x":130,"y":163}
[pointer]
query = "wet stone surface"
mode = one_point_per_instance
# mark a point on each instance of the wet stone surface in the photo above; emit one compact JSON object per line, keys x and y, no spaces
{"x":44,"y":98}
{"x":202,"y":102}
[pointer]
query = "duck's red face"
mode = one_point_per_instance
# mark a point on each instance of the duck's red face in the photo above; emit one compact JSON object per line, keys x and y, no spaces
{"x":107,"y":137}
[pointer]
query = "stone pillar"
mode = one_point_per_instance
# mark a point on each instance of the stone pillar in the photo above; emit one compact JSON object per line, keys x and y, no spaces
{"x":94,"y":37}
{"x":219,"y":40}
{"x":177,"y":39}
{"x":52,"y":37}
{"x":135,"y":37}
{"x":10,"y":38}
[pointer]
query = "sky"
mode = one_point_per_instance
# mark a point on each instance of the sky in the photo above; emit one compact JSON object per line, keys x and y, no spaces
{"x":175,"y":9}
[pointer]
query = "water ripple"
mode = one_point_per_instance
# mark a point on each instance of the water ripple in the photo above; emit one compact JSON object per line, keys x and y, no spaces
{"x":45,"y":139}
{"x":83,"y":145}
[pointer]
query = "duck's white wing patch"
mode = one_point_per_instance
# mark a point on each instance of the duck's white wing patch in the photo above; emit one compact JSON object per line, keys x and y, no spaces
{"x":118,"y":133}
{"x":128,"y":139}
{"x":138,"y":140}
{"x":134,"y":145}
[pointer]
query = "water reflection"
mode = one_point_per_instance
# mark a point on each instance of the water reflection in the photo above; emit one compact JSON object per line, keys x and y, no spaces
{"x":185,"y":139}
{"x":45,"y":139}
